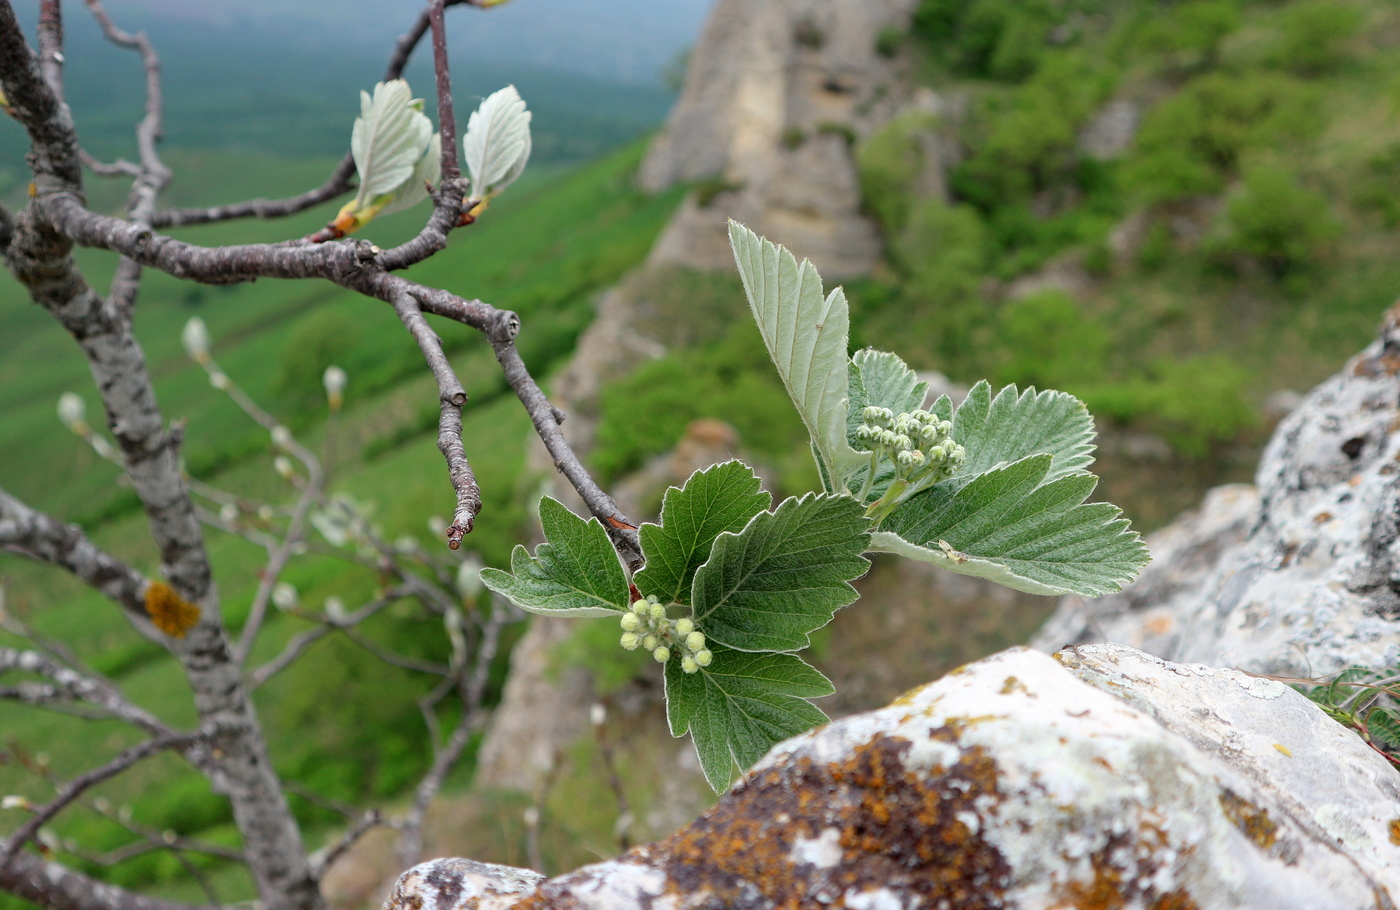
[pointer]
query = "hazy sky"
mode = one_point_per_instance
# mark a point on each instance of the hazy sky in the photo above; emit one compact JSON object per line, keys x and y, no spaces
{"x":625,"y":40}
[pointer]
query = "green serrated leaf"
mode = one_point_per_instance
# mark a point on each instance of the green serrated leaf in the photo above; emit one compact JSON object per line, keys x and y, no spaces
{"x":739,"y":706}
{"x":718,"y":499}
{"x":1012,"y":526}
{"x":806,"y":335}
{"x":388,"y":139}
{"x":575,"y":572}
{"x":1015,"y":424}
{"x":783,"y":576}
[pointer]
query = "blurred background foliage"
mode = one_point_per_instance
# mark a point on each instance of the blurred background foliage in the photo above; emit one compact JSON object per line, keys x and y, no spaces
{"x":1241,"y":240}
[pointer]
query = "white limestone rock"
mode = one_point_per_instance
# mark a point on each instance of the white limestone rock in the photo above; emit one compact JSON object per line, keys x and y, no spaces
{"x":1107,"y":779}
{"x":1299,"y":578}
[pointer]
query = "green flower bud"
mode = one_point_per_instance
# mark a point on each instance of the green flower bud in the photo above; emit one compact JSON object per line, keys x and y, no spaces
{"x":689,"y":665}
{"x":630,"y":641}
{"x":937,"y":453}
{"x":661,"y":654}
{"x":695,"y":641}
{"x":657,"y":611}
{"x":640,"y":606}
{"x":684,"y":627}
{"x":631,"y":622}
{"x":650,"y":642}
{"x":703,"y":657}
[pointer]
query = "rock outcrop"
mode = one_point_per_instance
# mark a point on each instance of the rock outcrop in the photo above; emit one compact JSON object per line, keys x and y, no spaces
{"x":1299,"y":576}
{"x":1106,"y":778}
{"x":775,"y":97}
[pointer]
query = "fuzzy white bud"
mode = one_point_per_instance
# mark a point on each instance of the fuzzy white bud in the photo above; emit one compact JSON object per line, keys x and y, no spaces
{"x":684,"y":627}
{"x":220,"y":381}
{"x":334,"y":380}
{"x":597,"y":714}
{"x":281,"y":437}
{"x":335,"y":610}
{"x":650,"y":642}
{"x":630,"y":641}
{"x":265,"y":512}
{"x":72,"y":410}
{"x":284,"y":596}
{"x":283,"y":465}
{"x":703,"y":657}
{"x":661,"y":654}
{"x":469,"y":584}
{"x":689,"y":665}
{"x":195,"y":338}
{"x":631,"y":622}
{"x":657,"y":611}
{"x":695,"y":641}
{"x":15,"y":802}
{"x":228,"y":513}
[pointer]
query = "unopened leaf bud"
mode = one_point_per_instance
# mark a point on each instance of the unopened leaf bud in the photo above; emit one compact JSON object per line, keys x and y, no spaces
{"x":630,"y":641}
{"x":631,"y":622}
{"x":72,"y":411}
{"x":684,"y":627}
{"x":661,"y":654}
{"x":334,"y":380}
{"x":689,"y":665}
{"x":15,"y":802}
{"x":283,"y":465}
{"x":703,"y":657}
{"x":281,"y":437}
{"x":265,"y":512}
{"x":195,"y":338}
{"x":650,"y":642}
{"x":284,"y":596}
{"x":597,"y":714}
{"x":335,"y":610}
{"x":220,"y":381}
{"x":695,"y":641}
{"x":228,"y":512}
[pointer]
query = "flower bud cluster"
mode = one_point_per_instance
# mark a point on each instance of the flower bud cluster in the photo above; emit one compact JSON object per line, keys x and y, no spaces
{"x":919,"y":443}
{"x":646,"y":626}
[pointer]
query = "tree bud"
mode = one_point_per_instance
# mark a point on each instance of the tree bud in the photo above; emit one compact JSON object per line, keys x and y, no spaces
{"x":281,"y":437}
{"x":630,"y":641}
{"x":630,"y":622}
{"x":689,"y":665}
{"x":661,"y":654}
{"x":334,"y":380}
{"x":684,"y":627}
{"x":695,"y":641}
{"x":72,"y":411}
{"x":650,"y":642}
{"x":658,"y":611}
{"x":195,"y":338}
{"x":703,"y":657}
{"x":220,"y":381}
{"x":284,"y":596}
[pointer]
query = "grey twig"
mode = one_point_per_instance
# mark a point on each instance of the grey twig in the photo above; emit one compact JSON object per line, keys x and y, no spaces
{"x":80,"y":785}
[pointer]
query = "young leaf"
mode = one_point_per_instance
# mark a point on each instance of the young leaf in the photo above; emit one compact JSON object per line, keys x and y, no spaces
{"x":718,"y":499}
{"x":740,"y":705}
{"x":496,"y":145}
{"x":806,"y":337}
{"x":1011,"y":526}
{"x":1011,"y":426}
{"x":415,"y":189}
{"x":388,"y":138}
{"x":574,"y":573}
{"x":783,"y":576}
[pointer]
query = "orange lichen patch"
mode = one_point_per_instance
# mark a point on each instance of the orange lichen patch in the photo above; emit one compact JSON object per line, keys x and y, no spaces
{"x":1121,"y":868}
{"x":1322,"y":518}
{"x":895,"y":829}
{"x":170,"y":612}
{"x":1395,"y":831}
{"x":1012,"y":685}
{"x":1253,"y":821}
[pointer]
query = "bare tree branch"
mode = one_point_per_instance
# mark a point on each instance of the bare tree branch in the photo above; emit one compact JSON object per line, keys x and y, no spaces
{"x":83,"y":783}
{"x":56,"y":887}
{"x":51,"y":44}
{"x":452,"y":396}
{"x":323,"y":860}
{"x":74,"y":685}
{"x":36,"y":535}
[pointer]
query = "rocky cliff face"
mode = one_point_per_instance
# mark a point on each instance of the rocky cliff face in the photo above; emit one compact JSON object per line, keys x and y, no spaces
{"x":1298,"y":575}
{"x":776,"y":96}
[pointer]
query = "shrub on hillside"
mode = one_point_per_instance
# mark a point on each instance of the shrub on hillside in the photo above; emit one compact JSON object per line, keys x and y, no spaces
{"x":1274,"y":221}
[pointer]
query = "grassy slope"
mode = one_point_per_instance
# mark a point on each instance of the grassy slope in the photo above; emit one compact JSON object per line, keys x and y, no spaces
{"x":338,"y":720}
